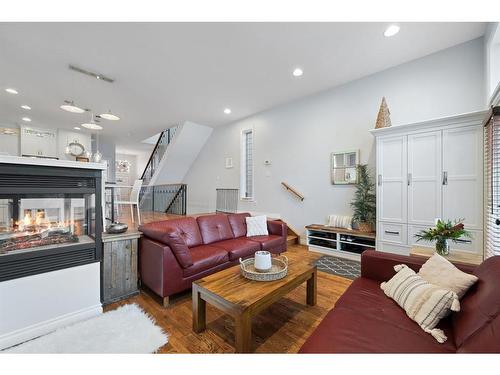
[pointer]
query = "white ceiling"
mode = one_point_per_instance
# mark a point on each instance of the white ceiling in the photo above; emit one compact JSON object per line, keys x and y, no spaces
{"x":171,"y":72}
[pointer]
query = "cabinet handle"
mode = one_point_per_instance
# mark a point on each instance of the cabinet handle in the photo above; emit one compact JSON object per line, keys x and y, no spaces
{"x":445,"y":178}
{"x":391,"y":232}
{"x":379,"y":180}
{"x":463,"y":241}
{"x":409,"y":179}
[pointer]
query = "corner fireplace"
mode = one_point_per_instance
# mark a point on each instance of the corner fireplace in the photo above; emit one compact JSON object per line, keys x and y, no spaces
{"x":50,"y":219}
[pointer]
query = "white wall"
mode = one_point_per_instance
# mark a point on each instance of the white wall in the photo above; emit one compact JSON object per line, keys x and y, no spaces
{"x":492,"y":58}
{"x":298,"y":137}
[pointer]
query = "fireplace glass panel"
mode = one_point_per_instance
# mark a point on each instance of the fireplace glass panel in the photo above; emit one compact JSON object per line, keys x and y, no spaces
{"x":36,"y":222}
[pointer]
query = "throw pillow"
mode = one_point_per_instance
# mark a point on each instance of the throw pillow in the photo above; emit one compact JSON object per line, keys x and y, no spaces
{"x":257,"y":226}
{"x":441,"y":272}
{"x":338,"y":221}
{"x":423,"y":302}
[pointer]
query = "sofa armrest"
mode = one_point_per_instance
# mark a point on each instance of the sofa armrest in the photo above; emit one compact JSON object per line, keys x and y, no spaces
{"x":159,"y":269}
{"x":379,"y":266}
{"x":277,"y":227}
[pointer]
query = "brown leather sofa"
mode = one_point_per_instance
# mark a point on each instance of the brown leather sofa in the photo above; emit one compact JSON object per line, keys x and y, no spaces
{"x":174,"y":253}
{"x":364,"y":320}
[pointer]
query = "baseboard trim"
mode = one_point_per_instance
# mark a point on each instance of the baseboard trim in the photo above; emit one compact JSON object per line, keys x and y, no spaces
{"x":28,"y":333}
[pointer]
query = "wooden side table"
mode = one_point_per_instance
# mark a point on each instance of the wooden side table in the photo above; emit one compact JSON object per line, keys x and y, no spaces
{"x":119,"y":266}
{"x":454,"y":256}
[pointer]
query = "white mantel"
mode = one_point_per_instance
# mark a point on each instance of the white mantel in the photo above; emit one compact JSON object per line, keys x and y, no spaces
{"x":6,"y":159}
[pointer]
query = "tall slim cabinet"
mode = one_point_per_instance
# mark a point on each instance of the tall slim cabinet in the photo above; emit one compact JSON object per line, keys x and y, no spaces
{"x":429,"y":170}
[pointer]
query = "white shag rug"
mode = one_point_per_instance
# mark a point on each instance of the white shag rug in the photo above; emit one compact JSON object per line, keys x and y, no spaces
{"x":128,"y":329}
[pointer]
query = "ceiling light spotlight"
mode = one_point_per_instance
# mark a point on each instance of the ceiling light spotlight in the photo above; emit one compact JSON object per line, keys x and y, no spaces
{"x":297,"y":72}
{"x":109,"y":116}
{"x":26,"y":119}
{"x":69,"y":106}
{"x":391,"y":30}
{"x":76,"y":128}
{"x":227,"y":111}
{"x":27,"y":107}
{"x":12,"y":91}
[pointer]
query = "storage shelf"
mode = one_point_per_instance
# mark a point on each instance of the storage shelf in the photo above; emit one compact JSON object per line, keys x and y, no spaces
{"x":330,"y":240}
{"x":359,"y":244}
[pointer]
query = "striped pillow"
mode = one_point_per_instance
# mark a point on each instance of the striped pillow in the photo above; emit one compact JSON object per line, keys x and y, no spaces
{"x":423,"y":302}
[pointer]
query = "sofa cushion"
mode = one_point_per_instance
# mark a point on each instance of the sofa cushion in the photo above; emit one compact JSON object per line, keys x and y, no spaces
{"x":364,"y":296}
{"x":238,"y":224}
{"x":239,"y":247}
{"x":480,"y":308}
{"x":205,"y":257}
{"x":271,"y":243}
{"x":423,"y":302}
{"x":441,"y":272}
{"x":257,"y":226}
{"x":214,"y":228}
{"x":348,"y":331}
{"x":186,"y":228}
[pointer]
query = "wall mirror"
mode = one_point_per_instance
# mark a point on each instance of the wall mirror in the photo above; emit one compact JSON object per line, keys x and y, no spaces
{"x":343,"y":167}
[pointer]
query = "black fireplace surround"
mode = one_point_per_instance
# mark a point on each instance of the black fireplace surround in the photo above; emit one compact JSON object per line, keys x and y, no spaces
{"x":50,"y":219}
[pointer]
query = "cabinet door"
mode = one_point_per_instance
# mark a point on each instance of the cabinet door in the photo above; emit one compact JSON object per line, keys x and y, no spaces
{"x":462,"y":178}
{"x":391,"y":179}
{"x":424,"y":177}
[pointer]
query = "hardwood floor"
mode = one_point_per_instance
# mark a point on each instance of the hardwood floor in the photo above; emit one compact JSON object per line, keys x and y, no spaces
{"x":282,"y":328}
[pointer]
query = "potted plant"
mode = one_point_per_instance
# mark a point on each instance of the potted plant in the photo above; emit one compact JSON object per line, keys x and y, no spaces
{"x":442,"y":233}
{"x":364,"y":203}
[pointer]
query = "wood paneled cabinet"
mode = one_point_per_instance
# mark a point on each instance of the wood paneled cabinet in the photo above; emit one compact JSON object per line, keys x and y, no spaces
{"x":119,"y":266}
{"x":427,"y":171}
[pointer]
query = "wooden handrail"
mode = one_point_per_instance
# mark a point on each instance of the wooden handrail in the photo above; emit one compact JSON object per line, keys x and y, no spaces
{"x":293,"y":191}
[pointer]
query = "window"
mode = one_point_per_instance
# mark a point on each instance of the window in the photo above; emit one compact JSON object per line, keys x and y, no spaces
{"x":246,"y":179}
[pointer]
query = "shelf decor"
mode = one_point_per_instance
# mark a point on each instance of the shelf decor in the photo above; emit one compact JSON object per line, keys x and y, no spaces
{"x":384,"y":116}
{"x":442,"y":233}
{"x":364,"y":203}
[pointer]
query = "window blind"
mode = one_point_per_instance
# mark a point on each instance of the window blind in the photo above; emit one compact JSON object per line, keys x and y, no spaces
{"x":249,"y":164}
{"x":492,"y":184}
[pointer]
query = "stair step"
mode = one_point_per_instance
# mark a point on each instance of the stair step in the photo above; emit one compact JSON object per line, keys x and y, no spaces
{"x":292,"y":239}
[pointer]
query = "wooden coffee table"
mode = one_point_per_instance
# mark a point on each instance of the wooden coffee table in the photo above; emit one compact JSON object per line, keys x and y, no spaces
{"x":242,"y":298}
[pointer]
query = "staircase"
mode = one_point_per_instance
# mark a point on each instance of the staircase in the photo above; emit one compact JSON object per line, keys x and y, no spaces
{"x":174,"y":153}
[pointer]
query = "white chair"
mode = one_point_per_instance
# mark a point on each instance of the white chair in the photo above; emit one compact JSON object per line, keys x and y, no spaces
{"x":133,"y":200}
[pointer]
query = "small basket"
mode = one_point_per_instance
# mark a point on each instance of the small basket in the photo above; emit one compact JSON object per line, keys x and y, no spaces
{"x":278,"y":270}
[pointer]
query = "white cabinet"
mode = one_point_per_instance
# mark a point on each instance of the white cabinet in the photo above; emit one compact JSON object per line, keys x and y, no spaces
{"x":426,"y":171}
{"x":391,"y":179}
{"x":424,"y":177}
{"x":38,"y":142}
{"x":463,"y":175}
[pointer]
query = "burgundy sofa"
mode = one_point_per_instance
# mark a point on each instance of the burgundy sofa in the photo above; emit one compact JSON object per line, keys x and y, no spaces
{"x":174,"y":253}
{"x":364,"y":320}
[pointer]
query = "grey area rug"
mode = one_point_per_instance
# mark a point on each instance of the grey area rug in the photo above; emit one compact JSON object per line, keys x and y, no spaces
{"x":350,"y":269}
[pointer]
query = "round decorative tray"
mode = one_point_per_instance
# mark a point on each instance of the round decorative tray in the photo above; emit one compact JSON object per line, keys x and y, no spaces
{"x":278,"y":270}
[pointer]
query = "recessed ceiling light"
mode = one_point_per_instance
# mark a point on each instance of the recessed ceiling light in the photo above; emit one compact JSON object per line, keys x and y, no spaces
{"x":227,"y":111}
{"x":24,"y":106}
{"x":109,"y":116}
{"x":69,"y":106}
{"x":76,"y":127}
{"x":391,"y":30}
{"x":12,"y":91}
{"x":297,"y":72}
{"x":26,"y":119}
{"x":92,"y":126}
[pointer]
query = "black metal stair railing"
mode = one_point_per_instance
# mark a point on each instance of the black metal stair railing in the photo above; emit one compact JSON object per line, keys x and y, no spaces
{"x":164,"y":140}
{"x":171,"y":199}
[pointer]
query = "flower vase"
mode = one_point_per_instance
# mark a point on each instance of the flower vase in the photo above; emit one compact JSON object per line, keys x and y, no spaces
{"x":442,"y":246}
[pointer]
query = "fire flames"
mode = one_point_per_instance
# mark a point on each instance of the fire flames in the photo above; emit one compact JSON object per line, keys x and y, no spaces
{"x":40,"y":223}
